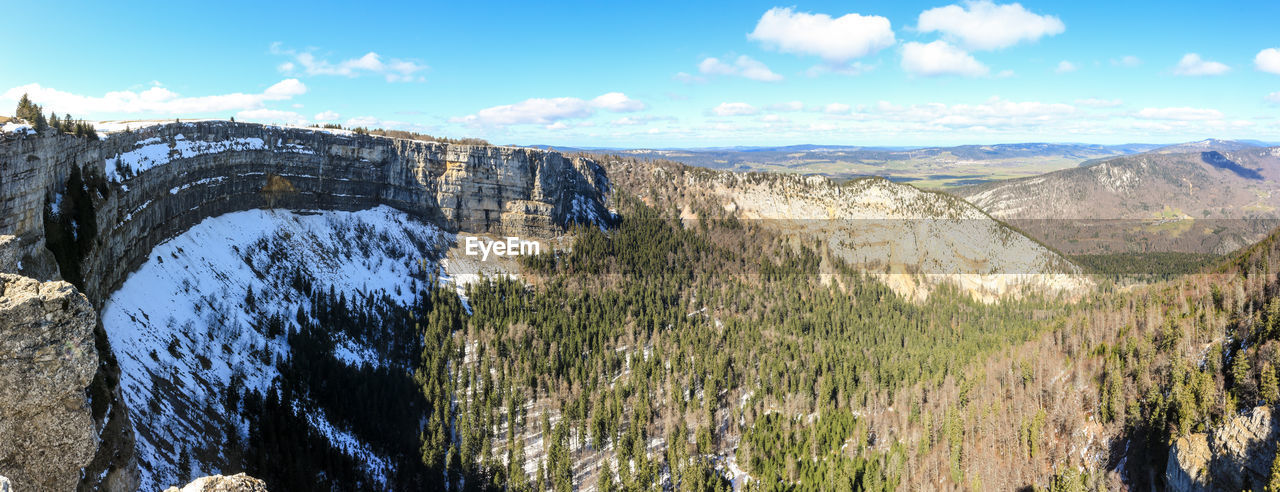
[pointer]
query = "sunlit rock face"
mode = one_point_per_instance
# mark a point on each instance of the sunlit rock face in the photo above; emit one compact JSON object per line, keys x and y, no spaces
{"x":133,"y":190}
{"x":1236,"y":456}
{"x":91,"y":212}
{"x":47,"y":361}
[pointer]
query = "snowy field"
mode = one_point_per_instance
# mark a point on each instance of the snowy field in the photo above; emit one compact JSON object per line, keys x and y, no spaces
{"x":180,"y":327}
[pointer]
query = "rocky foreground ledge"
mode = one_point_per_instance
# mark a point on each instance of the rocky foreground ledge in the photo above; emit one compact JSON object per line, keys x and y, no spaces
{"x":218,"y":483}
{"x":47,"y":361}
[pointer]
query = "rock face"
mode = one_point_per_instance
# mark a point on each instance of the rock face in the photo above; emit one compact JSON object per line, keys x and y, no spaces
{"x":1237,"y":456}
{"x":218,"y":483}
{"x":89,"y":212}
{"x":914,"y":240}
{"x":153,"y":183}
{"x":47,"y":360}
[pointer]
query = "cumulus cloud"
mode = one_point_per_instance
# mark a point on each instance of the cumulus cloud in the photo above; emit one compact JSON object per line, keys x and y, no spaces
{"x":835,"y":40}
{"x":734,"y":109}
{"x":984,"y":25}
{"x":743,"y":66}
{"x":939,"y":58}
{"x":548,"y":111}
{"x":306,"y":62}
{"x":1268,"y":60}
{"x":327,"y":116}
{"x":1065,"y":67}
{"x":617,"y":102}
{"x":1180,"y":114}
{"x":1192,"y":65}
{"x":156,"y":100}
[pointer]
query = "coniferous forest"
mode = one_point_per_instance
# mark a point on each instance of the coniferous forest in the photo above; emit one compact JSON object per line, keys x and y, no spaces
{"x":664,"y":352}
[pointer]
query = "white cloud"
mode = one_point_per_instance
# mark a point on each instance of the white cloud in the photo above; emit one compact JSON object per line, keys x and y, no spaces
{"x":983,"y":25}
{"x":375,"y":122}
{"x":156,"y":100}
{"x":833,"y":39}
{"x":939,"y":58}
{"x":1126,"y":61}
{"x":1274,"y":97}
{"x":363,"y":121}
{"x":734,"y":109}
{"x":1192,"y":65}
{"x":271,"y":116}
{"x":744,"y":66}
{"x":1268,"y":60}
{"x":1180,"y":114}
{"x":1065,"y":67}
{"x":327,"y":116}
{"x":542,"y":111}
{"x":1099,"y":103}
{"x":547,"y":111}
{"x":617,"y":102}
{"x":306,"y":62}
{"x":836,"y":108}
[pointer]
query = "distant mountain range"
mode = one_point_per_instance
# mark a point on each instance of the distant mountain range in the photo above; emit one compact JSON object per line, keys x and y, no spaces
{"x":1212,"y":196}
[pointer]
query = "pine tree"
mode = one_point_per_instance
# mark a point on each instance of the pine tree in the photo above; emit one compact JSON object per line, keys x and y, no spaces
{"x":26,"y":109}
{"x":1270,"y":389}
{"x":604,"y":482}
{"x":1273,"y":483}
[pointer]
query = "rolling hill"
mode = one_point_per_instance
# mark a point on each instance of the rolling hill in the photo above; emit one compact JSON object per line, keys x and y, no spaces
{"x":1204,"y":201}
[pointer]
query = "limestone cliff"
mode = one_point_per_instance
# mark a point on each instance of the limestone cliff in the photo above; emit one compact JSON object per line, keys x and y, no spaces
{"x":117,"y":198}
{"x":90,"y":211}
{"x":47,"y":361}
{"x":1236,"y":456}
{"x":912,"y":239}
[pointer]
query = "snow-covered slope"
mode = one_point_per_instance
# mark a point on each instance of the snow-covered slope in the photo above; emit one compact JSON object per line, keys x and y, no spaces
{"x":180,"y":326}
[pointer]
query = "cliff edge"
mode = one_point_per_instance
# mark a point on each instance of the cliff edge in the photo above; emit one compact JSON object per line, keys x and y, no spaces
{"x":47,"y":361}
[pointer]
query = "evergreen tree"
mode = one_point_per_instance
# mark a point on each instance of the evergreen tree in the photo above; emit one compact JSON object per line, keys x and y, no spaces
{"x":1273,"y":483}
{"x":1270,"y":389}
{"x":604,"y":480}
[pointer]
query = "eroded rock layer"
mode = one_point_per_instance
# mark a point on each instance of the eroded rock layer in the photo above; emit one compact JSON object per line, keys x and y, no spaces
{"x":117,"y":198}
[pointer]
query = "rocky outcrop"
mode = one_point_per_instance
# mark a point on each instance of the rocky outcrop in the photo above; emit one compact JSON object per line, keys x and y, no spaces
{"x":913,"y":240}
{"x":47,"y":361}
{"x":90,"y":211}
{"x":133,"y":190}
{"x":218,"y":483}
{"x":1236,"y":456}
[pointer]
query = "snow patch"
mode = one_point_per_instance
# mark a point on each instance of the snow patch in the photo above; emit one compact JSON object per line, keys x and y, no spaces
{"x":181,"y":330}
{"x":152,"y":152}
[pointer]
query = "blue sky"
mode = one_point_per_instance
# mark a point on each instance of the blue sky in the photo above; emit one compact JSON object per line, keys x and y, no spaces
{"x":668,"y":74}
